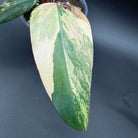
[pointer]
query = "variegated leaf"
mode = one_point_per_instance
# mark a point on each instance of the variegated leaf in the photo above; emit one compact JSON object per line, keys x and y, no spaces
{"x":63,"y":51}
{"x":10,"y":9}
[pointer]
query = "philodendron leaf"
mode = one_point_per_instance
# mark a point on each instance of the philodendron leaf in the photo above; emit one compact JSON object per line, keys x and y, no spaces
{"x":63,"y":51}
{"x":10,"y":9}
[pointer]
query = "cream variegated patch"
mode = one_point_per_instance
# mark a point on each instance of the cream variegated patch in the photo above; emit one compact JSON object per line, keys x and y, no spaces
{"x":43,"y":48}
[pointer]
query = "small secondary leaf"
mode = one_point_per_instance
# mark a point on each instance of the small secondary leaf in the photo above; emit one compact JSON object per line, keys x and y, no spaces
{"x":11,"y":9}
{"x":63,"y":51}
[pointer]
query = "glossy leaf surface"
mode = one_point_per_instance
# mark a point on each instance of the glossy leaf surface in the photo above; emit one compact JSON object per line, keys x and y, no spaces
{"x":10,"y":9}
{"x":63,"y":51}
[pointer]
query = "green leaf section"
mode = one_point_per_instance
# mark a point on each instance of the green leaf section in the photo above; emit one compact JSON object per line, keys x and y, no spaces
{"x":63,"y":51}
{"x":11,"y":9}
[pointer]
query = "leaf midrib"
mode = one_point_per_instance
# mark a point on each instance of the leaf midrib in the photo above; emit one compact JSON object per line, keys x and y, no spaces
{"x":60,"y":26}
